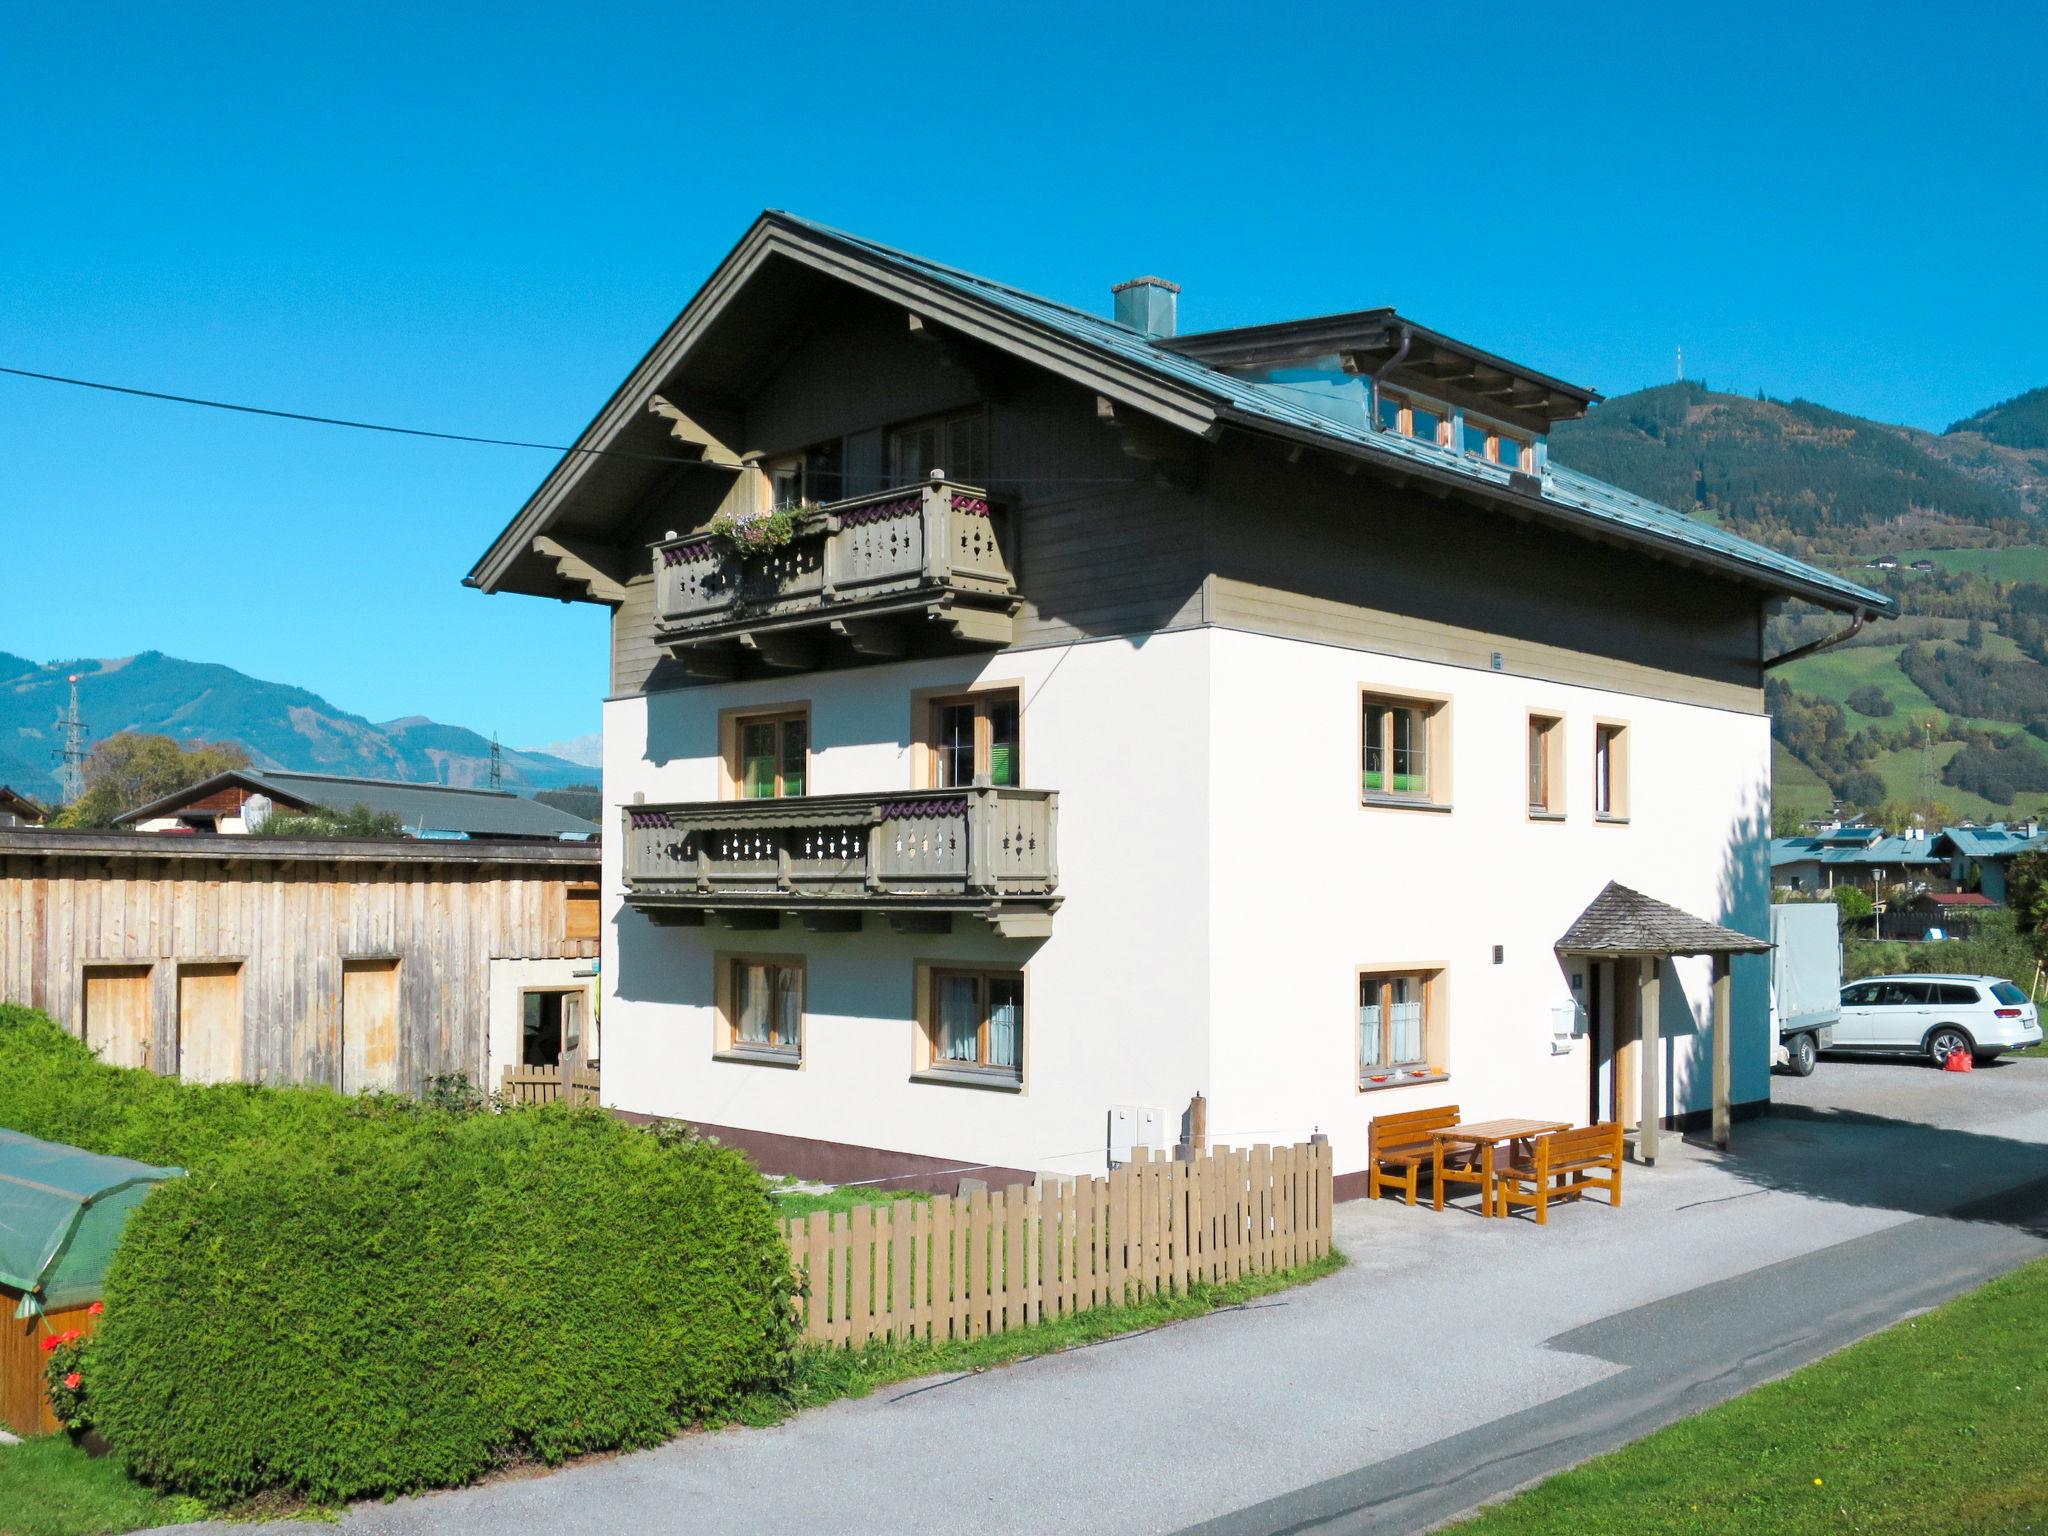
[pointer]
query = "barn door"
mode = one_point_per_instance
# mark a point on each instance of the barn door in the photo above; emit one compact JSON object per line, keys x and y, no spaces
{"x":210,"y":1022}
{"x":117,"y":1014}
{"x":369,"y":1026}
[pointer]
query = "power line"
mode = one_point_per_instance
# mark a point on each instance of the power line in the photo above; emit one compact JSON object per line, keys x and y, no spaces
{"x":464,"y":437}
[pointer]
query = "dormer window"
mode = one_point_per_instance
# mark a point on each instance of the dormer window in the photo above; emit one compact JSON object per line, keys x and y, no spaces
{"x":1414,"y":418}
{"x":1483,"y":440}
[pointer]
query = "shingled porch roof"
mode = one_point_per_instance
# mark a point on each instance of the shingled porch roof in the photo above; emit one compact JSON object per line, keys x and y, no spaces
{"x":1621,"y":922}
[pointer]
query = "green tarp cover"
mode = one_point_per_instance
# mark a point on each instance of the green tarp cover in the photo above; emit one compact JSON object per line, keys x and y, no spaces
{"x":61,"y":1213}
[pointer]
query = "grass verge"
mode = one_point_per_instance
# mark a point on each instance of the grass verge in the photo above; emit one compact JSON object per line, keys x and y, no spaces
{"x":825,"y":1375}
{"x":49,"y":1487}
{"x":841,"y":1198}
{"x":1932,"y":1427}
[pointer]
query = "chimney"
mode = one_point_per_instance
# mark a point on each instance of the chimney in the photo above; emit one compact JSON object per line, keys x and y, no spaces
{"x":1147,"y":304}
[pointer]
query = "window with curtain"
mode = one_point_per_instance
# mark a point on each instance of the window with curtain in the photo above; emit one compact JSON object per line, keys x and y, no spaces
{"x":977,"y":1020}
{"x":772,"y":756}
{"x":1393,"y":1023}
{"x":1396,"y":749}
{"x":1610,"y":771}
{"x":765,"y":1005}
{"x":974,"y":740}
{"x":1546,"y":735}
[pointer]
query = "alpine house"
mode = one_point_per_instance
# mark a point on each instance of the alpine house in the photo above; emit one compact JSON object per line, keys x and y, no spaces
{"x":1023,"y":720}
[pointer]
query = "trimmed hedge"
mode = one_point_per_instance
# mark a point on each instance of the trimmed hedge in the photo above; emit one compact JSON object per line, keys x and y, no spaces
{"x":353,"y":1297}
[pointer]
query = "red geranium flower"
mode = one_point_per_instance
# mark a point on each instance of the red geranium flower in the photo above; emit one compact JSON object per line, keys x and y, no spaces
{"x":96,"y":1309}
{"x":73,"y":1380}
{"x":69,"y":1336}
{"x":50,"y":1344}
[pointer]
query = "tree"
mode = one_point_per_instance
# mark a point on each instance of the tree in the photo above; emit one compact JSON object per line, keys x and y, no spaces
{"x":1973,"y":637}
{"x":1787,"y":821}
{"x":132,"y":768}
{"x":1871,"y":700}
{"x":326,"y":821}
{"x":1863,"y":788}
{"x":1852,"y":901}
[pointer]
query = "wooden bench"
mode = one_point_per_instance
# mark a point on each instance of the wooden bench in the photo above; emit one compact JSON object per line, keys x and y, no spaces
{"x":1575,"y":1160}
{"x":1403,"y":1143}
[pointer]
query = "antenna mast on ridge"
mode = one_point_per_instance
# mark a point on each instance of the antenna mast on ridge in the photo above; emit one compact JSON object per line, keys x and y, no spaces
{"x":1681,"y":364}
{"x":497,"y":764}
{"x":70,"y":752}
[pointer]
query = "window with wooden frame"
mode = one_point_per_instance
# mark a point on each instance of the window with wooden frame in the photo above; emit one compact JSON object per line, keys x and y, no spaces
{"x":973,"y":738}
{"x":1400,"y":1025}
{"x":973,"y":1023}
{"x":1414,"y":418}
{"x":761,"y":1007}
{"x":1404,"y":750}
{"x":818,"y":474}
{"x":1610,"y":770}
{"x":768,"y":755}
{"x":1496,"y":445}
{"x":1511,"y":452}
{"x":956,"y":443}
{"x":1546,"y":766}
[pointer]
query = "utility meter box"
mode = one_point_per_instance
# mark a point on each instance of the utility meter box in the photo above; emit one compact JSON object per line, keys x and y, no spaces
{"x":1135,"y":1125}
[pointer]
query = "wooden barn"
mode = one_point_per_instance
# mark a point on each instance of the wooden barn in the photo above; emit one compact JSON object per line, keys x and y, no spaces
{"x":363,"y":965}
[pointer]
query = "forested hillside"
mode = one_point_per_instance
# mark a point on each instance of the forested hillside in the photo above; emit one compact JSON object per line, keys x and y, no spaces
{"x":1941,"y":712}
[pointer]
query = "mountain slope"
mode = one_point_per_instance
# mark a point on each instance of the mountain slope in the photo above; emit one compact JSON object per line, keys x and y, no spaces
{"x":2021,"y":422}
{"x":1795,"y":470}
{"x":281,"y":726}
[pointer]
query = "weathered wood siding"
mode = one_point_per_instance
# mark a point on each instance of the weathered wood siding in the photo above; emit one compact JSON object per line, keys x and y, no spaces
{"x":290,"y":926}
{"x":1265,"y":540}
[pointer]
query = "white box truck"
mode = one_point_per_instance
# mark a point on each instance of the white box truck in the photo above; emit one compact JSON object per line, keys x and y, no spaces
{"x":1806,"y":979}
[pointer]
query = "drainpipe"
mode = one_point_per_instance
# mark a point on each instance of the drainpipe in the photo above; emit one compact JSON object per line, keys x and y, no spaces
{"x":1855,"y":628}
{"x":1372,"y":405}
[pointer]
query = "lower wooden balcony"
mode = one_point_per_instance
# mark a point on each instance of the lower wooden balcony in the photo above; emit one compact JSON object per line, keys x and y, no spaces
{"x":918,"y":859}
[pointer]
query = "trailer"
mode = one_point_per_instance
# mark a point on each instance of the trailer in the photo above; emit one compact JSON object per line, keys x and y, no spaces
{"x":1806,"y":980}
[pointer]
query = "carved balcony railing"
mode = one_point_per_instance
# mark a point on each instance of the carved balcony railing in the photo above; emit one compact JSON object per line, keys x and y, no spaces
{"x":877,"y":574}
{"x":918,"y":858}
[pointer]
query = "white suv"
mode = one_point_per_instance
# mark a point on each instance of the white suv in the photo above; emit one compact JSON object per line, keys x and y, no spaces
{"x":1936,"y":1016}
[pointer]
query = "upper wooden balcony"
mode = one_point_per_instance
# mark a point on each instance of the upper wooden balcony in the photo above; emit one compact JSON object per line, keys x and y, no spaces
{"x":882,"y":575}
{"x":917,"y":857}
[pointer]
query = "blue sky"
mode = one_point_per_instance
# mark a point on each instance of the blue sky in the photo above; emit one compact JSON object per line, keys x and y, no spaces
{"x":476,"y":219}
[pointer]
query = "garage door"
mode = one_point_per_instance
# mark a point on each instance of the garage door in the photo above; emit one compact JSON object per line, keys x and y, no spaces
{"x":369,"y":1026}
{"x":210,"y":1023}
{"x":117,"y":1013}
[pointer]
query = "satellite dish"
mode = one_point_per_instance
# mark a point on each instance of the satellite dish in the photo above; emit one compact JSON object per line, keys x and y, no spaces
{"x":256,"y":810}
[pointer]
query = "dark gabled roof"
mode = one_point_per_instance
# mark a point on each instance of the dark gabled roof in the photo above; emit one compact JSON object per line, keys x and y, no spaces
{"x":577,"y":861}
{"x":423,"y":809}
{"x":1136,"y":371}
{"x":1622,"y":922}
{"x":18,"y":804}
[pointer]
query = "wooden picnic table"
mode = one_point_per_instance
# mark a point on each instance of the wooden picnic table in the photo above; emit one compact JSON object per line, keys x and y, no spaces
{"x":1483,"y":1136}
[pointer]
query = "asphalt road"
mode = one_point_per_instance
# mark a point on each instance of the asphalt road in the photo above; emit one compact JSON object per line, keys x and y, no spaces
{"x":1453,"y":1360}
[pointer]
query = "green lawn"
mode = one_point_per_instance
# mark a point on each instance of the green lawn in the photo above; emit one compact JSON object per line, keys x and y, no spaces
{"x":2021,"y":562}
{"x":1932,"y":1428}
{"x":48,"y":1487}
{"x":798,"y":1202}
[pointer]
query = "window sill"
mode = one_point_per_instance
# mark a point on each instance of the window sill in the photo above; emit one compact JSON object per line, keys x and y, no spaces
{"x":1402,"y":803}
{"x":746,"y":1058}
{"x":1541,"y":815}
{"x":1403,"y":1080}
{"x":968,"y":1077}
{"x":1611,"y":821}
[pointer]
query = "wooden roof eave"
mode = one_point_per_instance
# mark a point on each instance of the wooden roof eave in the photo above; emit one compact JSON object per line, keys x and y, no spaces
{"x":1446,"y":481}
{"x":934,"y":303}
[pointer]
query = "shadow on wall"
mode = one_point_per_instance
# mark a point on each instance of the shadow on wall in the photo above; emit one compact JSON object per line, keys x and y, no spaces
{"x":1742,"y":902}
{"x":1848,"y":1157}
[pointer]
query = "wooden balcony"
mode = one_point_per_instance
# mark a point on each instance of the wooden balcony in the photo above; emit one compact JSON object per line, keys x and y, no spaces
{"x":881,"y":576}
{"x":919,"y":858}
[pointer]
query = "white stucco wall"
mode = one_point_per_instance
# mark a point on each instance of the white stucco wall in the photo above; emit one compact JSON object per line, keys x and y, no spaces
{"x":511,"y":978}
{"x":1116,"y":999}
{"x":1308,"y":885}
{"x":1221,"y":883}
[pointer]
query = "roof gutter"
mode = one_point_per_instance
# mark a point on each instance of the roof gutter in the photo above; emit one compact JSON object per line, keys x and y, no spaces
{"x":1856,"y":623}
{"x":1379,"y":373}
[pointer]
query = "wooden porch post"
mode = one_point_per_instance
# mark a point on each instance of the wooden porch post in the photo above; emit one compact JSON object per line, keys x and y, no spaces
{"x":1724,"y":1051}
{"x":1648,"y":1004}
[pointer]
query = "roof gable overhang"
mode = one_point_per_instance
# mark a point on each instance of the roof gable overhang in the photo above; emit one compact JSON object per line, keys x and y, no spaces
{"x":657,"y":422}
{"x":169,"y":805}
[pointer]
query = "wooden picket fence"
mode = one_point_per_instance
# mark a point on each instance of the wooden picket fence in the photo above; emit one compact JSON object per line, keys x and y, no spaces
{"x":985,"y":1262}
{"x":544,"y":1085}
